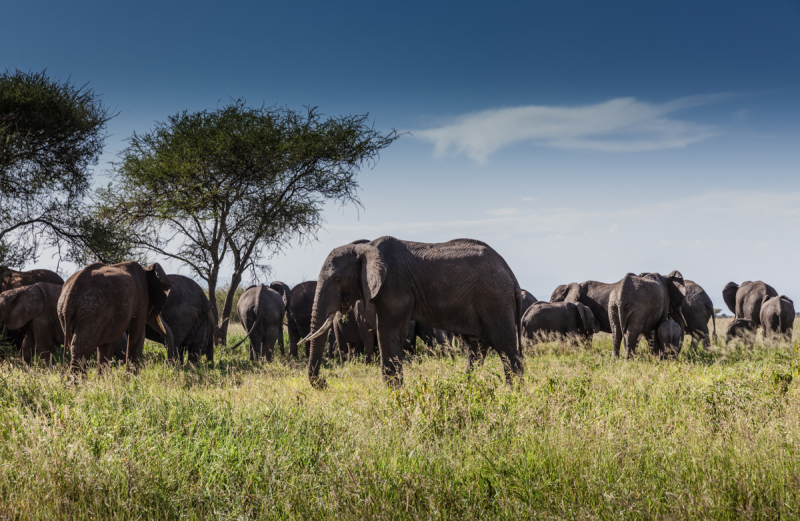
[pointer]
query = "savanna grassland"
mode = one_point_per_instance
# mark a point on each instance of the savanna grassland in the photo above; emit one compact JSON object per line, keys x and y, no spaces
{"x":714,"y":434}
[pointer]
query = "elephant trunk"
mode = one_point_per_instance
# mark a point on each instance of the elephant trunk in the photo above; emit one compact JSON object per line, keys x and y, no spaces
{"x":321,"y":320}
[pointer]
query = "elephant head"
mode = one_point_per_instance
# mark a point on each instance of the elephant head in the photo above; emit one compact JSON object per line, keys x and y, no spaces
{"x":566,"y":293}
{"x":19,"y":306}
{"x":158,"y":287}
{"x":729,"y":296}
{"x":350,"y":273}
{"x":285,"y":292}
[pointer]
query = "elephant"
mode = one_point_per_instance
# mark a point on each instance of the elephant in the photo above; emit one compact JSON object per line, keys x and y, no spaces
{"x":355,"y":330}
{"x":777,"y":317}
{"x":669,"y":338}
{"x":740,"y":328}
{"x":11,"y":279}
{"x":298,"y":302}
{"x":591,"y":294}
{"x":560,"y":319}
{"x":187,"y":316}
{"x":33,"y":311}
{"x":527,"y":300}
{"x":745,"y":301}
{"x":430,"y":336}
{"x":261,"y":310}
{"x":100,"y":302}
{"x":697,"y":309}
{"x":462,"y":286}
{"x":637,"y":305}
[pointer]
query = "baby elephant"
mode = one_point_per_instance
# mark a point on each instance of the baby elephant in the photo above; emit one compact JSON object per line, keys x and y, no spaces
{"x":777,"y":317}
{"x":543,"y":319}
{"x":740,"y":328}
{"x":670,"y":338}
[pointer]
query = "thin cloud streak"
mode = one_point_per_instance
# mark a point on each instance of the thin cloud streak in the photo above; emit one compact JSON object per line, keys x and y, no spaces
{"x":617,"y":125}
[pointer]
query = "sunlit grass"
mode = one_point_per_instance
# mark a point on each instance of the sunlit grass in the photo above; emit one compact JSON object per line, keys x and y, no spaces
{"x":714,"y":434}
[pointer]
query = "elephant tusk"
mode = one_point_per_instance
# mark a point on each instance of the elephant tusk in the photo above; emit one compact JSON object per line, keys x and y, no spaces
{"x":319,"y":332}
{"x":161,"y":325}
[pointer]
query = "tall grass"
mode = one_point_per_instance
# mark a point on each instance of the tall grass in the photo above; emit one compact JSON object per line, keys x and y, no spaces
{"x":715,"y":434}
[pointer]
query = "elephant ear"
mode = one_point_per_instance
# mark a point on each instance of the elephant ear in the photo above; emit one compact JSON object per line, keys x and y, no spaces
{"x":676,"y":289}
{"x":26,"y":306}
{"x":729,"y":295}
{"x":784,"y":297}
{"x":567,"y":293}
{"x":284,"y":290}
{"x":559,"y":294}
{"x":373,"y":270}
{"x":158,"y":287}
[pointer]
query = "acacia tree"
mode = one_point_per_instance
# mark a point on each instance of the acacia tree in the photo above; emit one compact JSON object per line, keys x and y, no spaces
{"x":234,"y":185}
{"x":51,"y":132}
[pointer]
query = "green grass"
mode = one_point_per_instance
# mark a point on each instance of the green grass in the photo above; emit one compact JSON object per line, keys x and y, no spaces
{"x":712,"y":435}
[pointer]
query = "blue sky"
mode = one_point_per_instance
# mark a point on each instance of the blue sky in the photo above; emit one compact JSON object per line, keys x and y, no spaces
{"x":580,"y":139}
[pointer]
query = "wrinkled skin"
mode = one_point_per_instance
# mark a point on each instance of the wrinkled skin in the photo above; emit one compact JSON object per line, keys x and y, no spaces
{"x":187,"y":316}
{"x":637,"y":305}
{"x":261,"y":310}
{"x":777,"y":317}
{"x":544,"y":320}
{"x":527,"y":301}
{"x":591,"y":294}
{"x":299,"y":302}
{"x":669,"y":338}
{"x":462,"y":286}
{"x":99,"y":303}
{"x":745,"y":300}
{"x":740,"y":328}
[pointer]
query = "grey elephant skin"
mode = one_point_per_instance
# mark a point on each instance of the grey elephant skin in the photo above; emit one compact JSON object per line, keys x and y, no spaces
{"x":430,"y":336}
{"x":299,"y":301}
{"x":186,"y":316}
{"x":462,"y":286}
{"x":637,"y":305}
{"x":745,"y":300}
{"x":697,"y":310}
{"x":33,"y":310}
{"x":12,"y":279}
{"x":592,"y":294}
{"x":261,"y":310}
{"x":669,"y":338}
{"x":740,"y":328}
{"x":527,"y":301}
{"x":100,"y":302}
{"x":777,"y":317}
{"x":354,"y":331}
{"x":544,"y":320}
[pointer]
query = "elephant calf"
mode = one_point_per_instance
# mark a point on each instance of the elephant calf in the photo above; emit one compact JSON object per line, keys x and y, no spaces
{"x":261,"y":310}
{"x":670,"y":338}
{"x":777,"y":317}
{"x":560,"y":319}
{"x":739,"y":328}
{"x":33,"y":309}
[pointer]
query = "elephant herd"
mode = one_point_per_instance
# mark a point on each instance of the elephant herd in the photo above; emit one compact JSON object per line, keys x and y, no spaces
{"x":370,"y":294}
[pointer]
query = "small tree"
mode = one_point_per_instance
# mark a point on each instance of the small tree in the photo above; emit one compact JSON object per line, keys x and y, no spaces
{"x":50,"y":134}
{"x":236,"y":184}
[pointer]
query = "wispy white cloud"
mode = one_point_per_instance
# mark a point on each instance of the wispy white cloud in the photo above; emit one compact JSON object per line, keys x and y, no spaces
{"x":503,"y":211}
{"x":529,"y":199}
{"x":617,"y":125}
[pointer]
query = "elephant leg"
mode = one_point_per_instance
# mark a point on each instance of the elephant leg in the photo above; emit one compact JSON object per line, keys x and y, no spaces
{"x":255,"y":346}
{"x":104,"y":356}
{"x":273,"y":334}
{"x":294,"y":338}
{"x":133,"y":358}
{"x":631,"y":338}
{"x":476,"y":352}
{"x":28,"y":346}
{"x":390,"y":344}
{"x":280,"y":336}
{"x":504,"y":342}
{"x":616,"y":329}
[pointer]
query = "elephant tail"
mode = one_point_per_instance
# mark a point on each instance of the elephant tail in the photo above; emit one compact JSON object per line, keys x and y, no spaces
{"x":518,"y":313}
{"x":714,"y":323}
{"x":247,"y":335}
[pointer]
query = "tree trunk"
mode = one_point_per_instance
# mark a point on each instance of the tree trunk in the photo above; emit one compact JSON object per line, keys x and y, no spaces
{"x":220,"y":337}
{"x":226,"y":310}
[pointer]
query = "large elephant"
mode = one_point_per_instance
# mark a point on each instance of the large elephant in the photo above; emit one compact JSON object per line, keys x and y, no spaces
{"x":697,"y":309}
{"x":637,"y":305}
{"x":100,"y":302}
{"x":261,"y":310}
{"x":561,"y":319}
{"x":187,"y":316}
{"x":33,"y":311}
{"x":777,"y":317}
{"x":462,"y":286}
{"x":745,"y":301}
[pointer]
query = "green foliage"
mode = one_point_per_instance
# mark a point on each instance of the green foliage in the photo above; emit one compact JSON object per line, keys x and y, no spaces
{"x":236,"y":184}
{"x":51,"y":132}
{"x":583,"y":436}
